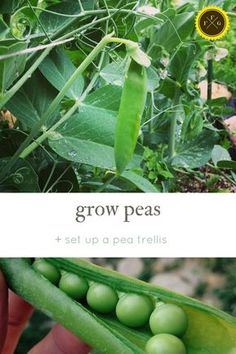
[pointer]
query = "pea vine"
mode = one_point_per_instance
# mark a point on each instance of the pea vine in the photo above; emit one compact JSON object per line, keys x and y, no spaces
{"x":80,"y":123}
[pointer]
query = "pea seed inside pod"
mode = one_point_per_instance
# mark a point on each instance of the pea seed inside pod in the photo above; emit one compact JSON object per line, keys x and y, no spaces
{"x":102,"y":298}
{"x":46,"y":269}
{"x":167,"y":321}
{"x":73,"y":285}
{"x":170,"y":319}
{"x":134,"y":310}
{"x":165,"y":344}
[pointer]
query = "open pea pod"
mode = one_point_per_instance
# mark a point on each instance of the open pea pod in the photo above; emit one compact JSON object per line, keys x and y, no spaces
{"x":210,"y":331}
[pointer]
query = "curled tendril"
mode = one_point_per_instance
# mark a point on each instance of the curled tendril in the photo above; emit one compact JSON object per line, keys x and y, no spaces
{"x":66,"y":184}
{"x":18,"y":178}
{"x":68,"y":45}
{"x":22,"y":23}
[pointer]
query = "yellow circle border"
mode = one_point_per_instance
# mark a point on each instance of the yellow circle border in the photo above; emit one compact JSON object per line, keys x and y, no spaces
{"x":226,"y":25}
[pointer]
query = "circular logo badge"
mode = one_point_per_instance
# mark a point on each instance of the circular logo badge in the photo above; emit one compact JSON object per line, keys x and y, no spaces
{"x":212,"y":23}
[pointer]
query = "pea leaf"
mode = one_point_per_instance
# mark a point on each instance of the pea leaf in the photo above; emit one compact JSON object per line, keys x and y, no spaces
{"x":11,"y":68}
{"x":220,"y":154}
{"x":113,"y":73}
{"x":28,"y":105}
{"x":57,"y":69}
{"x":88,"y":137}
{"x":182,"y":62}
{"x":53,"y":21}
{"x":174,"y":31}
{"x":227,"y":165}
{"x":142,"y":183}
{"x":83,"y":151}
{"x":153,"y":79}
{"x":195,"y":152}
{"x":106,"y":97}
{"x":155,"y":20}
{"x":85,"y":146}
{"x":8,"y":6}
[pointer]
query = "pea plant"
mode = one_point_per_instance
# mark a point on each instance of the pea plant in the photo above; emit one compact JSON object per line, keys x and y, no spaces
{"x":117,"y":314}
{"x":103,"y":96}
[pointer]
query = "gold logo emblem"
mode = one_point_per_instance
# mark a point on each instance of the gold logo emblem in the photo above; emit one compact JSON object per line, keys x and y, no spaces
{"x":212,"y":23}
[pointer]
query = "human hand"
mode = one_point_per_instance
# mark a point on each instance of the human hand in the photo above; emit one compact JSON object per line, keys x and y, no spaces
{"x":15,"y":313}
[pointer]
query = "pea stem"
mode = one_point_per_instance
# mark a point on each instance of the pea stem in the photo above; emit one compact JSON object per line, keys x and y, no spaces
{"x":109,"y":181}
{"x":222,"y":173}
{"x":209,"y":79}
{"x":231,"y":14}
{"x":173,"y":125}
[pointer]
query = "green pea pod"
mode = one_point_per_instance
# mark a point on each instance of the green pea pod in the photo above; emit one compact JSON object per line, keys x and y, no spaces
{"x":45,"y":296}
{"x":210,"y":331}
{"x":130,"y":113}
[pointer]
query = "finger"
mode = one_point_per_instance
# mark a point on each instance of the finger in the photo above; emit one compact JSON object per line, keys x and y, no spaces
{"x":3,"y":310}
{"x":60,"y":341}
{"x":18,"y":315}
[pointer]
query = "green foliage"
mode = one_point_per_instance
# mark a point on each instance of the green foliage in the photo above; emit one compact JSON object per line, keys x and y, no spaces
{"x":63,"y":75}
{"x":28,"y":105}
{"x":156,"y":168}
{"x":57,"y":69}
{"x":224,"y":70}
{"x":196,"y":152}
{"x":11,"y":68}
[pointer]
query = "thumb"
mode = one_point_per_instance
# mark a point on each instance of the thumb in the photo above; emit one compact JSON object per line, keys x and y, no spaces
{"x":60,"y":341}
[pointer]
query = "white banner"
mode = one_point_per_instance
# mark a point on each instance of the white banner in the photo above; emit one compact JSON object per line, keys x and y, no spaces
{"x":118,"y":225}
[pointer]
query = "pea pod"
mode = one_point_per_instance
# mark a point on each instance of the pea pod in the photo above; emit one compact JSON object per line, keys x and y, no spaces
{"x":38,"y":291}
{"x":210,"y":331}
{"x":131,"y":108}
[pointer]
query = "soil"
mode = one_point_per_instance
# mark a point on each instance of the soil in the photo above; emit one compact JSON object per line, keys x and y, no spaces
{"x":194,"y":184}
